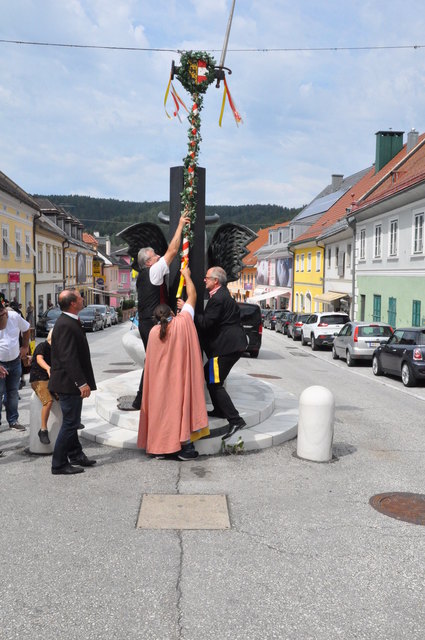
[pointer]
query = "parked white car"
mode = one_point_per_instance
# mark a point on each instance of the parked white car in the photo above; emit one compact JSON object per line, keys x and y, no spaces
{"x":320,"y":328}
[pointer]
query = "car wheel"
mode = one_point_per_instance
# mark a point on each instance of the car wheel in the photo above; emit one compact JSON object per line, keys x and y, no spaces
{"x":376,"y":366}
{"x":349,"y":359}
{"x":303,"y":341}
{"x":314,"y":346}
{"x":407,"y":376}
{"x":335,"y":356}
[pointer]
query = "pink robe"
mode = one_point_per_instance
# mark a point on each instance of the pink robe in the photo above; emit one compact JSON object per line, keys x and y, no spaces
{"x":173,"y":404}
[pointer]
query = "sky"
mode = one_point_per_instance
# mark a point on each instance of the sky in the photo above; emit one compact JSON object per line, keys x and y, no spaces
{"x":91,"y":121}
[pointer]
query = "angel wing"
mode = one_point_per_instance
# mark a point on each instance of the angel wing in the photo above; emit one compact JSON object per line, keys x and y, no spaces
{"x":143,"y":234}
{"x":228,"y":248}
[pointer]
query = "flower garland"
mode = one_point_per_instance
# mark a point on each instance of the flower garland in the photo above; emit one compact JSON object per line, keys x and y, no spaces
{"x":196,"y":73}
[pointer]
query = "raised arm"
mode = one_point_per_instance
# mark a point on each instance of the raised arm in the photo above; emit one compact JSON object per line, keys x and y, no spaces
{"x":174,"y":245}
{"x":190,"y":287}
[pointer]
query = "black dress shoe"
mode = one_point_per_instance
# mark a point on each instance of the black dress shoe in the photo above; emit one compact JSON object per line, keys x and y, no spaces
{"x":215,"y":414}
{"x":234,"y":427}
{"x":83,"y":461}
{"x":67,"y":470}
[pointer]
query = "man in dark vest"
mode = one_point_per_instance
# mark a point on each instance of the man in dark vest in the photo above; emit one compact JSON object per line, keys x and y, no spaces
{"x":223,"y":340}
{"x":152,"y":289}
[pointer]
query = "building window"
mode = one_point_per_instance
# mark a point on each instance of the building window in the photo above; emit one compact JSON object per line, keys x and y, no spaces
{"x":40,"y":258}
{"x":48,"y":258}
{"x":18,"y":244}
{"x":377,"y":251}
{"x":297,"y":262}
{"x":301,"y":302}
{"x":363,"y":244}
{"x":329,"y":257}
{"x":28,"y":247}
{"x":376,"y":308}
{"x":336,"y":257}
{"x":392,"y":311}
{"x":318,"y":261}
{"x":297,"y":302}
{"x":393,"y":238}
{"x":5,"y":240}
{"x":416,"y":313}
{"x":308,"y":261}
{"x":418,"y":238}
{"x":55,"y":260}
{"x":348,"y":256}
{"x":302,"y":262}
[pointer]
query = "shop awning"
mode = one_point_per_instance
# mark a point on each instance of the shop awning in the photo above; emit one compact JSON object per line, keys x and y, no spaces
{"x":330,"y":296}
{"x":275,"y":293}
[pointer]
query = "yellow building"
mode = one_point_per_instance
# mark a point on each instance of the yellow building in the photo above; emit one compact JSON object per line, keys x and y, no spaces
{"x":17,"y":213}
{"x":308,"y":276}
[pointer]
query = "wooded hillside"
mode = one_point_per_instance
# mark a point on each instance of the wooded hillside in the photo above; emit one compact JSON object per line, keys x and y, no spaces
{"x":110,"y":216}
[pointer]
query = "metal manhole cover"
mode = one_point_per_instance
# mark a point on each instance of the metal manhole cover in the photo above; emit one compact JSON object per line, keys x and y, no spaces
{"x":264,"y":375}
{"x":409,"y":507}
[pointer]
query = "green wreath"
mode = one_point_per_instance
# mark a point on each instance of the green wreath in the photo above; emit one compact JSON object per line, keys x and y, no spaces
{"x":184,"y":74}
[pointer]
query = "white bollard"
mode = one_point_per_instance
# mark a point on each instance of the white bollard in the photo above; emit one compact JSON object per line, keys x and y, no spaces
{"x":53,"y":425}
{"x":316,"y":424}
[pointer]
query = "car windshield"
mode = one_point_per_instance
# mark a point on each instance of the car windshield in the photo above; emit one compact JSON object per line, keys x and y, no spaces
{"x":335,"y":319}
{"x":52,"y":314}
{"x":302,"y":318}
{"x":87,"y":312}
{"x":99,"y":307}
{"x":369,"y":331}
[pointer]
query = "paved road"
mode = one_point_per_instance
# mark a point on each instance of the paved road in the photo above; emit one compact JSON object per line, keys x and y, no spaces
{"x":306,"y":556}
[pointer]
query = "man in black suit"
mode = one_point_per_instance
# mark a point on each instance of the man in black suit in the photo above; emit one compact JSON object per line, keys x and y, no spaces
{"x":72,"y":378}
{"x":152,"y":290}
{"x":223,"y":340}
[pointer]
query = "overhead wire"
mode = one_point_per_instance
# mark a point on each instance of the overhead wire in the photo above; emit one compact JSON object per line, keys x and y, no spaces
{"x":247,"y":50}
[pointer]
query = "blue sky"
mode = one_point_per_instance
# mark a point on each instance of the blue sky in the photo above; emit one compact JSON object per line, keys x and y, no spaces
{"x":91,"y":121}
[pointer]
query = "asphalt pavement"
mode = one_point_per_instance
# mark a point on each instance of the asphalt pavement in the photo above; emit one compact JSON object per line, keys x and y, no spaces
{"x":306,"y":556}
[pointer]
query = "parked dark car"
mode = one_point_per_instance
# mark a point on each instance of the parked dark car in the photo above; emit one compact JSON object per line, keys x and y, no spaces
{"x":46,"y":321}
{"x":104,"y":312}
{"x":295,"y":325}
{"x":253,"y":326}
{"x":403,"y":356}
{"x":282,"y":322}
{"x":270,"y":320}
{"x":91,"y":319}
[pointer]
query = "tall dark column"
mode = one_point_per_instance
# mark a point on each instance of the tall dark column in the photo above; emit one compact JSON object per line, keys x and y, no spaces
{"x":197,"y":253}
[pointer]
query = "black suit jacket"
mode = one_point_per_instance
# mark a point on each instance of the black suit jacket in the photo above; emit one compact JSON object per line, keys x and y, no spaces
{"x":220,"y":327}
{"x":71,"y":365}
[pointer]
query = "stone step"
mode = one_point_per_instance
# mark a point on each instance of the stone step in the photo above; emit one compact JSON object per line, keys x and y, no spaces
{"x":271,"y":415}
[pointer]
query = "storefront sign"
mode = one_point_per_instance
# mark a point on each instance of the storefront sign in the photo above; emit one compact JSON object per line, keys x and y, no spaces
{"x":14,"y":276}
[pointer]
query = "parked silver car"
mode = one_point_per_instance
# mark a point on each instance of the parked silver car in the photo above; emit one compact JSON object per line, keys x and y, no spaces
{"x":358,"y":340}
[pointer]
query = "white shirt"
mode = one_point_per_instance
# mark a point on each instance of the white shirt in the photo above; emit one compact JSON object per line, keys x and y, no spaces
{"x":188,"y":307}
{"x":158,"y":271}
{"x":9,"y":337}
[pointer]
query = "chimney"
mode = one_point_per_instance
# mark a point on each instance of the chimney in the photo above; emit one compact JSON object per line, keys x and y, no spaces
{"x":337,"y":179}
{"x":412,"y":140}
{"x":388,"y":144}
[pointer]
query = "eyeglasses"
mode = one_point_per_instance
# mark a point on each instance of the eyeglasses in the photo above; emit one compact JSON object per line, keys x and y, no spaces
{"x":210,"y":278}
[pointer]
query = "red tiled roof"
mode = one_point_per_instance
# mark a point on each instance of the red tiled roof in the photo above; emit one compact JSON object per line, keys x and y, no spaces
{"x":89,"y":239}
{"x":338,"y":210}
{"x":410,"y":171}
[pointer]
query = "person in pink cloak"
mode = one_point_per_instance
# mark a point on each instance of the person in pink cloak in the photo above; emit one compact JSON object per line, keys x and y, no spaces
{"x":173,"y":413}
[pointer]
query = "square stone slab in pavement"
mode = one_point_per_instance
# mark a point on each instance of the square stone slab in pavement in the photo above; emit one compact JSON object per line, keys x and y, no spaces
{"x":177,"y":511}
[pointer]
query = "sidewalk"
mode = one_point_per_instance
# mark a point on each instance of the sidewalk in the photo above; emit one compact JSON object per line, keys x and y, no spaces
{"x":305,"y":557}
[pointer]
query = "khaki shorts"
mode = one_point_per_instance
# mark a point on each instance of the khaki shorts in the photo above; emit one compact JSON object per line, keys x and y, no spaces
{"x":41,"y":390}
